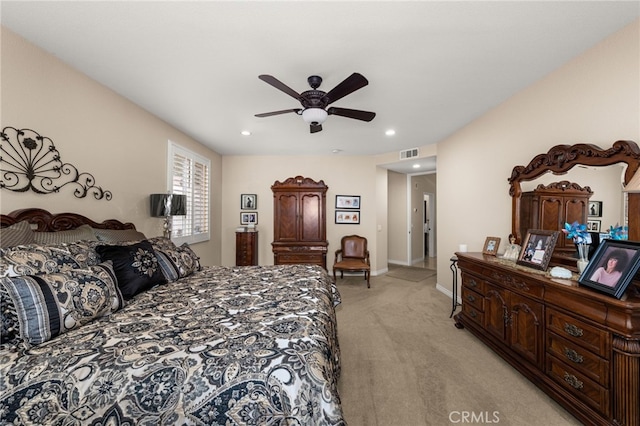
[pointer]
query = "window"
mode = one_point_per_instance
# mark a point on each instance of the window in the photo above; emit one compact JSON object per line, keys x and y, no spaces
{"x":189,"y":175}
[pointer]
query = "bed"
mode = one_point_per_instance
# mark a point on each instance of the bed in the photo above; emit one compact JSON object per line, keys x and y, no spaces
{"x":254,"y":345}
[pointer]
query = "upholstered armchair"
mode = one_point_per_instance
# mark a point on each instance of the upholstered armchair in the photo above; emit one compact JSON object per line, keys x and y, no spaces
{"x":352,"y":256}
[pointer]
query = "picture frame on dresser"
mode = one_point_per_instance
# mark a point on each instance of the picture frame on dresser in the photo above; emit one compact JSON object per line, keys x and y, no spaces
{"x":491,"y":245}
{"x":537,"y":248}
{"x":612,"y":267}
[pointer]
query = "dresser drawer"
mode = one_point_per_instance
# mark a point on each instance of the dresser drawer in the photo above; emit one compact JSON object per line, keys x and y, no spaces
{"x":473,"y":283}
{"x":473,"y":313}
{"x":578,"y":384}
{"x":474,"y":299}
{"x":579,"y":332}
{"x":587,"y":363}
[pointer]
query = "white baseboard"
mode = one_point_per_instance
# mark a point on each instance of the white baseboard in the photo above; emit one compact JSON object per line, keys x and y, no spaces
{"x":447,"y":292}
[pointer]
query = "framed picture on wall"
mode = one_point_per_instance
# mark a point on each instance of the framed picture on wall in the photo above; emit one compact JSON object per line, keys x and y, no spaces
{"x":347,"y":216}
{"x":347,"y":202}
{"x":248,"y":201}
{"x":537,"y":248}
{"x":250,"y":218}
{"x":595,"y":208}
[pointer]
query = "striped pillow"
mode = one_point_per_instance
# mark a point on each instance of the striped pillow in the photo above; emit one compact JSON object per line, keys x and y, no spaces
{"x":116,"y":235}
{"x":52,"y":304}
{"x":16,"y":234}
{"x":84,"y":232}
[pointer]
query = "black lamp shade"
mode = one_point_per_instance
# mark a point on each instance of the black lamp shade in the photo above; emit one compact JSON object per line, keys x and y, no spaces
{"x":163,"y":205}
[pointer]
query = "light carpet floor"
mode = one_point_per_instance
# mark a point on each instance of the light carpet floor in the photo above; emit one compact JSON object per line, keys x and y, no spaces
{"x":410,"y":273}
{"x":404,"y":363}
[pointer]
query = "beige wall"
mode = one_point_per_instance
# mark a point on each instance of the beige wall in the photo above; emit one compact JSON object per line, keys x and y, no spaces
{"x":343,"y":175}
{"x":594,"y":99}
{"x":99,"y":132}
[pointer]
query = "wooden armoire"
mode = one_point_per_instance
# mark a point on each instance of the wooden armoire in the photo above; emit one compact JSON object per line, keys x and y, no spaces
{"x":548,"y":207}
{"x":299,"y":222}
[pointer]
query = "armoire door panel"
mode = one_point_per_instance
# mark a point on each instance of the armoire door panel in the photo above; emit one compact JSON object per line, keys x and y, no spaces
{"x":286,"y":228}
{"x":311,"y":221}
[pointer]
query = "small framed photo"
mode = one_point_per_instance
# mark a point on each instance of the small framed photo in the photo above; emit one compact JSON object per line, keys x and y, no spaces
{"x":612,"y":267}
{"x":347,"y":202}
{"x":537,"y":249}
{"x":593,"y":225}
{"x":491,"y":245}
{"x":347,"y":216}
{"x":595,"y":208}
{"x":249,"y":218}
{"x":248,"y":201}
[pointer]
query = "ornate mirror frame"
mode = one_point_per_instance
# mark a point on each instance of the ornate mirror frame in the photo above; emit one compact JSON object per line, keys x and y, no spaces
{"x":562,"y":158}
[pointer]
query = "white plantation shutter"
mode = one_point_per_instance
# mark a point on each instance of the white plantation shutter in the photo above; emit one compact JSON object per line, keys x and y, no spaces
{"x":189,"y":175}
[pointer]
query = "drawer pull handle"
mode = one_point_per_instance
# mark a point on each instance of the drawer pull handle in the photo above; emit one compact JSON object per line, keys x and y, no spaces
{"x":473,"y":283}
{"x":573,"y":330}
{"x":473,"y":314}
{"x":573,"y":356}
{"x":573,"y":381}
{"x":471,"y":298}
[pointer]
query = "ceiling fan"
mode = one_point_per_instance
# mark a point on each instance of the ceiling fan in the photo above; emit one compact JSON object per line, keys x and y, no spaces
{"x":314,"y":102}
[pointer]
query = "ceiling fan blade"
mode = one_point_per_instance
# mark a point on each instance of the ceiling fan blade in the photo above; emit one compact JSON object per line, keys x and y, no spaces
{"x":352,"y":113}
{"x":315,"y":128}
{"x":349,"y":85}
{"x":269,"y":79}
{"x":284,"y":111}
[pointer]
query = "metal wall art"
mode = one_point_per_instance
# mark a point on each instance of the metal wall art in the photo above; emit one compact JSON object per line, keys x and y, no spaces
{"x":29,"y":161}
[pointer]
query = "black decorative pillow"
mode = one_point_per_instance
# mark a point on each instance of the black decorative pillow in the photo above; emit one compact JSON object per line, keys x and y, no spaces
{"x":135,"y":265}
{"x":51,"y":304}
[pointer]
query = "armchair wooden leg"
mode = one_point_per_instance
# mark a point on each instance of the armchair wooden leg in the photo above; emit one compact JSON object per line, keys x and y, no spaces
{"x":366,"y":276}
{"x":334,"y":275}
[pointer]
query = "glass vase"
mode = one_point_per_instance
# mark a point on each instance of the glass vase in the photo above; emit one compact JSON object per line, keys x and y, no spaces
{"x":583,"y":256}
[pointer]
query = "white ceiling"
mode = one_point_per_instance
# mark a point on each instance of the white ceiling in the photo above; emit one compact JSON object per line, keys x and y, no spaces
{"x":432,"y":67}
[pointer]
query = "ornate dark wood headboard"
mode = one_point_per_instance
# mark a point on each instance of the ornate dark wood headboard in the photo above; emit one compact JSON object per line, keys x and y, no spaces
{"x":49,"y":222}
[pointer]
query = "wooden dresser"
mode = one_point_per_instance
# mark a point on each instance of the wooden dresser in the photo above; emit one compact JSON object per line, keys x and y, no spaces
{"x":246,"y":248}
{"x":581,"y":347}
{"x":299,"y":222}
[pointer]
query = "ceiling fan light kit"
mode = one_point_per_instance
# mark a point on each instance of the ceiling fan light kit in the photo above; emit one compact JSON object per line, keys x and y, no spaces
{"x":314,"y":102}
{"x":314,"y":115}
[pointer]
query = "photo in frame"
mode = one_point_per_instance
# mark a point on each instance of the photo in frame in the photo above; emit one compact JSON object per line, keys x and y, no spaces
{"x":537,"y":248}
{"x":595,"y":209}
{"x":347,"y":216}
{"x":248,"y":201}
{"x":491,"y":245}
{"x":612,"y":267}
{"x":593,"y":225}
{"x":347,"y":202}
{"x":249,"y":218}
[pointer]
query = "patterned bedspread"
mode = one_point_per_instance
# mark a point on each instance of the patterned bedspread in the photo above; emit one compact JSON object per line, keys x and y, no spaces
{"x":224,"y":346}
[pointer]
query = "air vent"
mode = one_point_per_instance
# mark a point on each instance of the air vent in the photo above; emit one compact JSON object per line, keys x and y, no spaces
{"x":408,"y":153}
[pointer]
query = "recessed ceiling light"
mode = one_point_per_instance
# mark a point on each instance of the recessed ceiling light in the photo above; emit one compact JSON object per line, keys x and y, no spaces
{"x":336,"y":151}
{"x":390,"y":132}
{"x":416,"y":166}
{"x":245,"y":133}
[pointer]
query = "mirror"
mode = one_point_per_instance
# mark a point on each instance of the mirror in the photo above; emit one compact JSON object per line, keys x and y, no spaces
{"x":562,"y":158}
